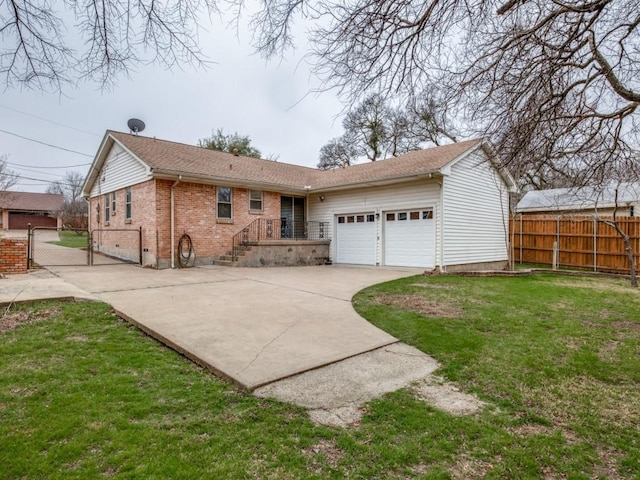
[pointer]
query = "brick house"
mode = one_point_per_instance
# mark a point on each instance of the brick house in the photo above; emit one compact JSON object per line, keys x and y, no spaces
{"x":389,"y":212}
{"x":19,"y":209}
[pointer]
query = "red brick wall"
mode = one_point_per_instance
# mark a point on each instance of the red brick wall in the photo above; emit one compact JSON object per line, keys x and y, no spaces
{"x":13,"y":255}
{"x":105,"y":236}
{"x":195,"y":214}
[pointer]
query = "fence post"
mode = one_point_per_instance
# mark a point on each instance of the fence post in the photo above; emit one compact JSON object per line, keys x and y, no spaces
{"x":29,"y":245}
{"x":90,"y":251}
{"x":140,"y":244}
{"x":520,"y":239}
{"x":595,"y":244}
{"x":557,"y":247}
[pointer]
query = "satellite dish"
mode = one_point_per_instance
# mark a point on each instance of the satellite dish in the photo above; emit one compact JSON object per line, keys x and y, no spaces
{"x":135,"y":125}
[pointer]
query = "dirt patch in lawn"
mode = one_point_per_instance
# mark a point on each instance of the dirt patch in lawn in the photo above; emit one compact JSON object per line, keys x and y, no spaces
{"x":421,"y":305}
{"x":10,"y":320}
{"x":326,"y":450}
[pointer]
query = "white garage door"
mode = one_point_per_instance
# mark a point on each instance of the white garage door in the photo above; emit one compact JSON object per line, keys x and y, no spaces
{"x":356,"y":239}
{"x":409,"y":238}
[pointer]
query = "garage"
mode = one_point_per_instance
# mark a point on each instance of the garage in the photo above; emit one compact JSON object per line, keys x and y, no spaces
{"x":356,"y":238}
{"x":409,"y":238}
{"x":21,"y":220}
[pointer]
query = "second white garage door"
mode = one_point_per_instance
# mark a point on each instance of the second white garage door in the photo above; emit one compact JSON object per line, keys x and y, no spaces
{"x":356,"y":239}
{"x":409,"y":238}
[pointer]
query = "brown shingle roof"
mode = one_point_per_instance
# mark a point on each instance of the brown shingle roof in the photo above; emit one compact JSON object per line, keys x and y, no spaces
{"x":44,"y":202}
{"x":165,"y":157}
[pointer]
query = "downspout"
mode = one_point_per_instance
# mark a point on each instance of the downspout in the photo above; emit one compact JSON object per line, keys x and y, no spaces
{"x":443,"y":268}
{"x":173,"y":234}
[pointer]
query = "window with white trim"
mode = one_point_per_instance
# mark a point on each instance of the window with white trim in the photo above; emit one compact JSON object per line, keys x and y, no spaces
{"x":107,"y":207}
{"x":224,"y":210}
{"x":255,"y":200}
{"x":127,"y":203}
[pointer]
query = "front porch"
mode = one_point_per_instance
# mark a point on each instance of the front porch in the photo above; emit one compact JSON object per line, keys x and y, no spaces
{"x":275,"y":242}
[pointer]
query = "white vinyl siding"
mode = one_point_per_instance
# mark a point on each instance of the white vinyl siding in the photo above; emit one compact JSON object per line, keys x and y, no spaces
{"x":120,"y":170}
{"x":475,"y":208}
{"x":408,"y":195}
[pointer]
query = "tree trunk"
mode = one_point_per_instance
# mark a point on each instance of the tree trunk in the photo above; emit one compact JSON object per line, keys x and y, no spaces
{"x":628,"y":250}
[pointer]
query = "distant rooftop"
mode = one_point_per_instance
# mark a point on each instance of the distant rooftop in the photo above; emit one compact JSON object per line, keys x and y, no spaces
{"x":583,"y":198}
{"x":29,"y":201}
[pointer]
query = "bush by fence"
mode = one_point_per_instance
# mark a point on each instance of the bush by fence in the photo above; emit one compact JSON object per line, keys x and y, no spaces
{"x":583,"y":242}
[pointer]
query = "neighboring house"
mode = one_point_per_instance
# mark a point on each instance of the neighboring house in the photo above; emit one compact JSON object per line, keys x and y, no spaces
{"x":19,"y":209}
{"x":442,"y":207}
{"x":583,"y":200}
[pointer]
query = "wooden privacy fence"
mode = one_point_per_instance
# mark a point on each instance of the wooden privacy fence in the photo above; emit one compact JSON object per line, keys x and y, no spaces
{"x":582,"y":241}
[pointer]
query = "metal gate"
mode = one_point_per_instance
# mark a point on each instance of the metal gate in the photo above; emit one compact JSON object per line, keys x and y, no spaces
{"x":50,"y":246}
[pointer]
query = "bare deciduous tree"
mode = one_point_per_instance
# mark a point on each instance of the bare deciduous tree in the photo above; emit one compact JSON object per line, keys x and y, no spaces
{"x":46,"y":47}
{"x":558,"y":80}
{"x":8,"y":178}
{"x":75,"y":209}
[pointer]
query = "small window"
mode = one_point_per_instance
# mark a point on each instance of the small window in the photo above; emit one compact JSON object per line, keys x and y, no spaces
{"x":224,"y":202}
{"x":371,"y":218}
{"x":113,"y":203}
{"x":340,"y":219}
{"x":360,"y":219}
{"x":255,"y":200}
{"x":127,"y":203}
{"x":350,"y":219}
{"x":427,"y":214}
{"x":414,"y":216}
{"x":391,"y":217}
{"x":107,"y":207}
{"x":402,"y":216}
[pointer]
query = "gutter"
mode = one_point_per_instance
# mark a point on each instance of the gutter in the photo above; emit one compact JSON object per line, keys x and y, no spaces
{"x":173,"y":232}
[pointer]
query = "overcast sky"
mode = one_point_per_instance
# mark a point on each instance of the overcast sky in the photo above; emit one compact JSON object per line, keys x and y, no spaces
{"x":271,"y":102}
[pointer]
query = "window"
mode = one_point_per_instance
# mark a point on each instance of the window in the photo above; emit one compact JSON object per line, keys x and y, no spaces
{"x":107,"y":207}
{"x":350,"y":219}
{"x":113,"y":203}
{"x":371,"y":218}
{"x":340,"y":219}
{"x":360,"y":219}
{"x":427,"y":214}
{"x":127,"y":204}
{"x":391,"y":217}
{"x":224,"y":202}
{"x":255,"y":200}
{"x":402,"y":216}
{"x":414,"y":215}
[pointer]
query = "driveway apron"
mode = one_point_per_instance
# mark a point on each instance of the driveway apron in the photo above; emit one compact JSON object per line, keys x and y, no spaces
{"x":251,"y":325}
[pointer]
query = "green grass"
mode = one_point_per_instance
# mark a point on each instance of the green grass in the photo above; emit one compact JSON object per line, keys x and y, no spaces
{"x":85,"y":395}
{"x":72,"y":239}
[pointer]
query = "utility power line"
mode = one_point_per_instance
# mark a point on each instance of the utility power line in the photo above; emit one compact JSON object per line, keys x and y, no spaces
{"x":45,"y":143}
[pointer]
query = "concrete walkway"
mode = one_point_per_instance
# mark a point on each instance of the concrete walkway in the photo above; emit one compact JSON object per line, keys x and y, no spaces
{"x":253,"y":326}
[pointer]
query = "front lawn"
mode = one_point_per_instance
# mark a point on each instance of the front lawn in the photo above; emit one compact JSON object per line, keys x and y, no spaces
{"x":85,"y":395}
{"x":72,"y":239}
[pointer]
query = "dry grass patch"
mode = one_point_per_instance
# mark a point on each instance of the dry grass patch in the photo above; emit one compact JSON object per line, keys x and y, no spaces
{"x":466,"y":468}
{"x":421,"y":305}
{"x":324,"y":452}
{"x":600,"y":285}
{"x":11,"y":320}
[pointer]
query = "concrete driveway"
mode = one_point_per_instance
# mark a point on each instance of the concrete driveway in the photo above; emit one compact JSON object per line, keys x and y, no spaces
{"x":251,"y":325}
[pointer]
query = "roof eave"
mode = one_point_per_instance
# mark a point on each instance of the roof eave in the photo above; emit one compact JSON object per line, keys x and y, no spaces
{"x":433,"y":173}
{"x":162,"y":174}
